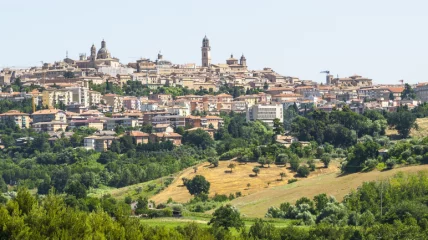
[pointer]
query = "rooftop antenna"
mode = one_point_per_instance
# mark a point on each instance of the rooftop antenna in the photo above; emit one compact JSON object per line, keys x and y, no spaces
{"x":66,"y":54}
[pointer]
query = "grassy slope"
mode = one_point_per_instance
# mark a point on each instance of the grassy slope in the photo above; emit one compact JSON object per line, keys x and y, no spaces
{"x":256,"y":205}
{"x":224,"y":182}
{"x":421,"y":132}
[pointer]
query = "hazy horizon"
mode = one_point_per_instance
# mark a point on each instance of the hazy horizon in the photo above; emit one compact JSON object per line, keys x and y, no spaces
{"x":382,"y":40}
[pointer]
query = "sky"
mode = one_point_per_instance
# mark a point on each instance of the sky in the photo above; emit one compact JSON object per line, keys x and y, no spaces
{"x":386,"y":40}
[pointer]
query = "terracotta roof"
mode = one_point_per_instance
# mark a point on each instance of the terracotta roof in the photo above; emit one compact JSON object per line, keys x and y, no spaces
{"x":138,"y":134}
{"x":224,"y":95}
{"x":47,"y":111}
{"x":14,"y":113}
{"x":396,"y":89}
{"x":166,"y":135}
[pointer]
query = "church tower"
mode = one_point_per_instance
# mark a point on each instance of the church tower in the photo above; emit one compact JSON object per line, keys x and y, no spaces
{"x":206,"y":52}
{"x":93,"y":53}
{"x":243,"y":60}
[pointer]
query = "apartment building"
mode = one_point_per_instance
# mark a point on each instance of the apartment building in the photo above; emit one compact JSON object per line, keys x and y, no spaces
{"x":421,"y":91}
{"x":22,"y":120}
{"x":49,"y":115}
{"x":115,"y":101}
{"x":265,"y":113}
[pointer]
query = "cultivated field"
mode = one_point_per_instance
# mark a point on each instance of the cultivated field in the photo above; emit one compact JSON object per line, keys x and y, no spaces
{"x":256,"y":204}
{"x":224,"y":182}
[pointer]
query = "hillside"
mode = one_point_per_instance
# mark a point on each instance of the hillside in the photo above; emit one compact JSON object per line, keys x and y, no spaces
{"x":422,"y":130}
{"x":224,"y":182}
{"x":256,"y":204}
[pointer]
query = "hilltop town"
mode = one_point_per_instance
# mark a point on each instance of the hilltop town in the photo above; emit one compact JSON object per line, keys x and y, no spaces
{"x":98,"y":91}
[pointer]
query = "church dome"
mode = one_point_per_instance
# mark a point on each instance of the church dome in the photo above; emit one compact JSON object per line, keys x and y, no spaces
{"x":103,"y":53}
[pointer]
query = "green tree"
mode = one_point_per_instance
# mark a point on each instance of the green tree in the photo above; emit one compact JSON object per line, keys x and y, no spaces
{"x":294,"y":163}
{"x":326,"y":159}
{"x":198,"y":138}
{"x":403,"y":121}
{"x":278,"y":127}
{"x":263,"y":230}
{"x":282,"y":159}
{"x":282,"y":175}
{"x":231,"y":166}
{"x":227,"y":217}
{"x":256,"y":170}
{"x":408,"y":92}
{"x":3,"y":185}
{"x":303,"y":171}
{"x":213,"y":161}
{"x":25,"y":201}
{"x":198,"y":185}
{"x":142,"y":205}
{"x":75,"y":188}
{"x":321,"y":201}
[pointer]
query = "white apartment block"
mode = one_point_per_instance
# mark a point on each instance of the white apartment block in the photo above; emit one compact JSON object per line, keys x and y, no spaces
{"x":265,"y":113}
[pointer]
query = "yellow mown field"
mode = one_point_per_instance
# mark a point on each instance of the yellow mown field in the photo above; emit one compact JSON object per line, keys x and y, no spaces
{"x":224,"y":182}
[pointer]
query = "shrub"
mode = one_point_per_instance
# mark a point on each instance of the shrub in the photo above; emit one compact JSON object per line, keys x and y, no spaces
{"x":238,"y":194}
{"x":419,"y":158}
{"x":312,"y":167}
{"x":390,"y":163}
{"x":303,"y":171}
{"x":128,"y":200}
{"x":220,"y":198}
{"x":161,"y":206}
{"x":406,"y":154}
{"x":231,"y":196}
{"x":412,"y":160}
{"x":151,"y":187}
{"x":154,"y":213}
{"x":294,"y":164}
{"x":326,"y":159}
{"x":370,"y":164}
{"x":167,"y":182}
{"x":292,"y":180}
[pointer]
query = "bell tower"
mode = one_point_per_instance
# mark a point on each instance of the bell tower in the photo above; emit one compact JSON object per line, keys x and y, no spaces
{"x":206,"y":52}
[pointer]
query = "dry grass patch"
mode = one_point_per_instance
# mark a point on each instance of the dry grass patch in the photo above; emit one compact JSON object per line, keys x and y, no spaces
{"x":224,"y":182}
{"x":257,"y":204}
{"x":422,"y":130}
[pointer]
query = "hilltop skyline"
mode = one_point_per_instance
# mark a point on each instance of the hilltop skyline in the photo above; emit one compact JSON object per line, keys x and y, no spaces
{"x":381,"y":40}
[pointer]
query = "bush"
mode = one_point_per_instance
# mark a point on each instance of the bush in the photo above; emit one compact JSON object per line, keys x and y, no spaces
{"x":292,"y":180}
{"x":303,"y":171}
{"x":151,"y":187}
{"x":231,"y":196}
{"x":238,"y":194}
{"x":220,"y":198}
{"x":370,"y":164}
{"x":411,"y":160}
{"x":294,"y":164}
{"x":326,"y":159}
{"x":128,"y":200}
{"x":419,"y":158}
{"x":390,"y":163}
{"x":154,"y":213}
{"x":312,"y":167}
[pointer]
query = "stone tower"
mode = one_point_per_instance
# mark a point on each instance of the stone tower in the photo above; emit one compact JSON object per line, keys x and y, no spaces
{"x":93,"y":53}
{"x":243,"y":60}
{"x":206,"y":52}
